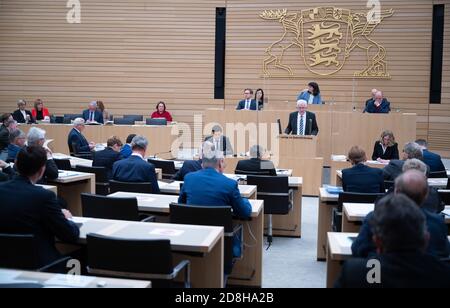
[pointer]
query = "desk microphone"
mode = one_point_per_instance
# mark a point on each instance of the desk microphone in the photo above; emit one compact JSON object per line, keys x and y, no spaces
{"x":156,"y":155}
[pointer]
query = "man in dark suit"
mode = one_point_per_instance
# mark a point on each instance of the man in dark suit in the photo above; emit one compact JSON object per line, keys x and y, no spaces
{"x":30,"y":209}
{"x":76,"y":141}
{"x":36,"y":137}
{"x":6,"y":171}
{"x":400,"y":237}
{"x":108,"y":156}
{"x":92,"y":114}
{"x":248,"y":103}
{"x":395,"y":167}
{"x":378,"y":105}
{"x":17,"y":140}
{"x":5,"y":121}
{"x":256,"y":165}
{"x":135,"y":169}
{"x":302,"y":122}
{"x":361,"y":178}
{"x":433,"y":160}
{"x":21,"y":115}
{"x":221,"y":142}
{"x":189,"y":166}
{"x":413,"y":184}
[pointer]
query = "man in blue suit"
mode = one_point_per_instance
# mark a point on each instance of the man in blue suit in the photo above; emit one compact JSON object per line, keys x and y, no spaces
{"x":76,"y":141}
{"x":17,"y":140}
{"x":433,"y":160}
{"x":378,"y":105}
{"x":108,"y":156}
{"x":136,"y":169}
{"x":189,"y":166}
{"x":361,"y":178}
{"x":29,"y":209}
{"x":248,"y":103}
{"x":92,"y":114}
{"x":209,"y":187}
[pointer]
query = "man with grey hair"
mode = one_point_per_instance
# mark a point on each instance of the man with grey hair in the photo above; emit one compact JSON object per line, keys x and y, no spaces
{"x":302,"y":122}
{"x":256,"y":165}
{"x":395,"y":167}
{"x":36,"y":137}
{"x":22,"y":115}
{"x":92,"y":114}
{"x":135,"y":169}
{"x":76,"y":141}
{"x":378,"y":105}
{"x":17,"y":139}
{"x":221,"y":142}
{"x":209,"y":187}
{"x":433,"y":160}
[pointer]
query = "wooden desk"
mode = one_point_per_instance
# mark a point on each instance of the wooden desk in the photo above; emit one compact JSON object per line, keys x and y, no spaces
{"x":205,"y":242}
{"x":327,"y":202}
{"x":68,"y":281}
{"x":249,"y":269}
{"x":71,"y":185}
{"x":353,"y":216}
{"x":247,"y":191}
{"x":341,"y":165}
{"x":51,"y":188}
{"x":339,"y":250}
{"x":74,"y":161}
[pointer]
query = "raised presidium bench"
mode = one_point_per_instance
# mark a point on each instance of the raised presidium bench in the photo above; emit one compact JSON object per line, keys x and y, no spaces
{"x":246,"y":272}
{"x":203,"y":246}
{"x":18,"y":278}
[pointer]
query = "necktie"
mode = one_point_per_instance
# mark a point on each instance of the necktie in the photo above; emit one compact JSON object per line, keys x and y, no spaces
{"x":91,"y":117}
{"x":247,"y":105}
{"x":302,"y":132}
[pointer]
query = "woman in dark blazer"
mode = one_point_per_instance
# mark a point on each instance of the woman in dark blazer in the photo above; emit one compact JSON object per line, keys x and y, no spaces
{"x":386,"y":148}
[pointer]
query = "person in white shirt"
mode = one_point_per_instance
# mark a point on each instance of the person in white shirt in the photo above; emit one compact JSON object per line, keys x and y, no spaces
{"x":302,"y":122}
{"x":221,"y":142}
{"x":248,"y":103}
{"x":22,"y":115}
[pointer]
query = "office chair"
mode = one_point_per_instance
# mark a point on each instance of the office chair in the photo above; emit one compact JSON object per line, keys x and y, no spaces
{"x":75,"y":152}
{"x":123,"y":121}
{"x":143,"y":188}
{"x":135,"y":117}
{"x":389,"y":184}
{"x":68,"y":118}
{"x":101,"y":178}
{"x":102,"y":207}
{"x":167,"y":167}
{"x":156,"y":122}
{"x":135,"y":259}
{"x":438,"y":175}
{"x":445,"y":196}
{"x":63,"y":164}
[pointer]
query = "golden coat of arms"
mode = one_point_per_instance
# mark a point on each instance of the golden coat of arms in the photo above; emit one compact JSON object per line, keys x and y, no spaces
{"x":326,"y":37}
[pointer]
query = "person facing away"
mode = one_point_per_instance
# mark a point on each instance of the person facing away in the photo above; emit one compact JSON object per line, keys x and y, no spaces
{"x":248,"y":103}
{"x":413,"y":184}
{"x":221,"y":142}
{"x":21,"y":115}
{"x":17,"y":139}
{"x":395,"y":167}
{"x":256,"y":165}
{"x":189,"y":166}
{"x":126,"y":149}
{"x":108,"y":156}
{"x":302,"y":122}
{"x":39,"y":112}
{"x":433,"y":160}
{"x":386,"y":148}
{"x":311,"y":95}
{"x":209,"y":187}
{"x":135,"y":169}
{"x":361,"y":178}
{"x":162,"y":113}
{"x":379,"y":105}
{"x":92,"y":114}
{"x":32,"y":209}
{"x":400,"y":237}
{"x":76,"y":141}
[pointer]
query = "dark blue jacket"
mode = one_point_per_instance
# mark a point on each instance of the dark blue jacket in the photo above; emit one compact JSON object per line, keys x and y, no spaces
{"x":98,"y":116}
{"x":438,"y":246}
{"x":136,"y":170}
{"x":385,"y":107}
{"x":29,"y":209}
{"x":77,"y":140}
{"x":13,"y":150}
{"x":253,"y":105}
{"x":189,"y":166}
{"x":433,"y":160}
{"x":126,"y":151}
{"x":363,"y":179}
{"x":106,"y":158}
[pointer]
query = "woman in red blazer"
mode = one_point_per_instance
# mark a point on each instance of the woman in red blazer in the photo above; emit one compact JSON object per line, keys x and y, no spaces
{"x":39,"y":112}
{"x":161,"y":112}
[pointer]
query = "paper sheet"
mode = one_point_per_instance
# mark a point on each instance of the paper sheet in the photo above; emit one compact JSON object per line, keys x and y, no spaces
{"x":70,"y":281}
{"x":167,"y":232}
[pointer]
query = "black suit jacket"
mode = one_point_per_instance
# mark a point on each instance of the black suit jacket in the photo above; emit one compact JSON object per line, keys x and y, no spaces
{"x":398,"y":270}
{"x":4,"y":137}
{"x":106,"y":158}
{"x":18,"y":116}
{"x":77,"y":140}
{"x":393,"y":170}
{"x":188,"y":167}
{"x":311,"y":124}
{"x":256,"y":166}
{"x":363,"y":179}
{"x":390,"y":154}
{"x":29,"y":209}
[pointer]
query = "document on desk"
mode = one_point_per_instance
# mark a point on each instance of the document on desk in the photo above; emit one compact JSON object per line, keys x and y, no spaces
{"x":145,"y":199}
{"x":67,"y":174}
{"x":344,"y":241}
{"x":167,"y":232}
{"x":70,"y":281}
{"x":8,"y":276}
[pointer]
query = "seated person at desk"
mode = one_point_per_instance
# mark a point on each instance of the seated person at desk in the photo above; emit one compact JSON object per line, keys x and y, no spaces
{"x":109,"y":155}
{"x":248,"y":103}
{"x":6,"y":119}
{"x":371,"y":100}
{"x":256,"y":165}
{"x":414,"y":185}
{"x":361,"y":178}
{"x":36,"y":137}
{"x":40,"y":113}
{"x":378,"y":105}
{"x":189,"y":166}
{"x":126,"y":149}
{"x":22,"y":115}
{"x":311,"y":95}
{"x":17,"y":140}
{"x":221,"y":142}
{"x":433,"y":160}
{"x":259,"y":98}
{"x":386,"y":148}
{"x":76,"y":141}
{"x":209,"y":187}
{"x":400,"y":240}
{"x":136,"y":169}
{"x":302,"y":122}
{"x":7,"y":172}
{"x":102,"y":109}
{"x":395,"y":167}
{"x":34,"y":210}
{"x":92,"y":114}
{"x":161,"y":112}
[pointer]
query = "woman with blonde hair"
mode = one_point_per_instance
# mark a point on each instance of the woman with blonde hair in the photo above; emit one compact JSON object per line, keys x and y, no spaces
{"x":386,"y":148}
